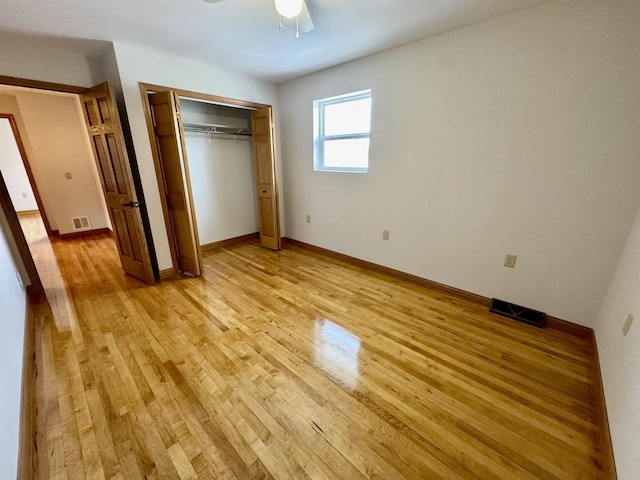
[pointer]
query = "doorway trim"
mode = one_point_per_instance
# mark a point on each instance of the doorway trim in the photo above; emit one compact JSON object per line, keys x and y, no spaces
{"x":27,"y":167}
{"x":145,"y":90}
{"x":54,"y":87}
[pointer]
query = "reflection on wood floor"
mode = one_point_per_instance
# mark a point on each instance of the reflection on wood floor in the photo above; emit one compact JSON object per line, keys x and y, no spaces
{"x":291,"y":365}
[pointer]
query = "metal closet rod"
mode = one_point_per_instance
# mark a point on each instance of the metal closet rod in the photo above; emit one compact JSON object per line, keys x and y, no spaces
{"x":216,"y":129}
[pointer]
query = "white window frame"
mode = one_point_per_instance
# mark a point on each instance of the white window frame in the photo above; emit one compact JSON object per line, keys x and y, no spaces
{"x":319,"y":137}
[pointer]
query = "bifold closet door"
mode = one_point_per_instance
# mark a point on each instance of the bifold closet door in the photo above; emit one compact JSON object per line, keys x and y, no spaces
{"x":165,"y":111}
{"x":264,"y":152}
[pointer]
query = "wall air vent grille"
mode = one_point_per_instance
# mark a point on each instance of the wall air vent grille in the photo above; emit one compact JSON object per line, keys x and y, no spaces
{"x":81,"y":223}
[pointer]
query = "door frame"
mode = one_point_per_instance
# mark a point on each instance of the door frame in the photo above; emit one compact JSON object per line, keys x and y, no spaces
{"x":27,"y":168}
{"x":145,"y":90}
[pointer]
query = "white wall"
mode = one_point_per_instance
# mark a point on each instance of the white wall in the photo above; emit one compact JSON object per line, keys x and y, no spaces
{"x":13,"y":170}
{"x":620,"y":357}
{"x":109,"y":73}
{"x":517,"y":135}
{"x":221,"y":170}
{"x":9,"y":105}
{"x":137,"y":64}
{"x":54,"y":135}
{"x":223,"y":186}
{"x":60,"y":144}
{"x":13,"y":302}
{"x":50,"y":59}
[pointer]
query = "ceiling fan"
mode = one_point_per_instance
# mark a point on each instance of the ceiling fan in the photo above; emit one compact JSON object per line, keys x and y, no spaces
{"x":295,"y":10}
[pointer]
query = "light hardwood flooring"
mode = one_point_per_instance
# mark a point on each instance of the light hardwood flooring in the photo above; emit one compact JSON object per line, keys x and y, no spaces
{"x":291,"y":365}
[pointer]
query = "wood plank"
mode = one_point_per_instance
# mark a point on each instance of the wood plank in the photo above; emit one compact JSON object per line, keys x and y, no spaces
{"x":290,"y":364}
{"x":229,"y":241}
{"x":603,"y":434}
{"x":28,"y":213}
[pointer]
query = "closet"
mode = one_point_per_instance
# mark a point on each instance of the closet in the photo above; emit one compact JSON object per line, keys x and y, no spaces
{"x":220,"y":152}
{"x":216,"y":167}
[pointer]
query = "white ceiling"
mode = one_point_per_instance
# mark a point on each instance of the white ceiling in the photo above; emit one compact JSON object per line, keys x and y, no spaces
{"x":243,"y":34}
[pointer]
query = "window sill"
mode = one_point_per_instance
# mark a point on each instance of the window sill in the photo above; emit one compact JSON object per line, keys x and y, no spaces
{"x":340,"y":170}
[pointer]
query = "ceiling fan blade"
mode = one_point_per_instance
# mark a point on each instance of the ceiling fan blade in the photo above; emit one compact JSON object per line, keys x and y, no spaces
{"x":304,"y":19}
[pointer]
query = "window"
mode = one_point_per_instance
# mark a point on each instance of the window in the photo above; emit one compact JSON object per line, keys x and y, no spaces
{"x":341,"y":133}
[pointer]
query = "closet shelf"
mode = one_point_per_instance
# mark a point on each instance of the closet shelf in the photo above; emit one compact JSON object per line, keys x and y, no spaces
{"x":216,"y":129}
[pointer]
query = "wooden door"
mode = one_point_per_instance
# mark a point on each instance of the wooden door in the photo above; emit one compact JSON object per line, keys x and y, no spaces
{"x":264,"y":152}
{"x":105,"y":132}
{"x":172,"y":152}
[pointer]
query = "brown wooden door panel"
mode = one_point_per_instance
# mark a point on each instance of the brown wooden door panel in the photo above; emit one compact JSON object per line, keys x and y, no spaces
{"x":117,"y":182}
{"x":126,"y":224}
{"x":121,"y":225}
{"x":176,"y":201}
{"x":121,"y":176}
{"x":266,"y":214}
{"x":264,"y":153}
{"x":105,"y":166}
{"x":165,"y":110}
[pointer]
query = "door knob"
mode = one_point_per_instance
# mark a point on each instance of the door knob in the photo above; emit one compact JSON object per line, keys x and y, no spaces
{"x":131,"y":204}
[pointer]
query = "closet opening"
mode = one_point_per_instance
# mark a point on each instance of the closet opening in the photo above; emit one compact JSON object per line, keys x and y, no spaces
{"x":215,"y":166}
{"x":219,"y":145}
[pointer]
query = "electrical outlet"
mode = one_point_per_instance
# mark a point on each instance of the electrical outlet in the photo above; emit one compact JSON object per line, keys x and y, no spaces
{"x":67,"y":175}
{"x":510,"y":260}
{"x":385,"y":234}
{"x":627,"y":325}
{"x":24,"y":195}
{"x":308,"y":218}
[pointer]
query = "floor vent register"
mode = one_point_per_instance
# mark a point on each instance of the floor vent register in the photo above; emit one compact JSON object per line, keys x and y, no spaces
{"x":517,"y":312}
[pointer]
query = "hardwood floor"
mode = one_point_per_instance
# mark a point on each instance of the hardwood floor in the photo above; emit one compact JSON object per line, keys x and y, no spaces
{"x":291,"y":365}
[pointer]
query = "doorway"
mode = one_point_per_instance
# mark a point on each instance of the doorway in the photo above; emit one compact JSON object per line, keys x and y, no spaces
{"x":83,"y":157}
{"x":215,"y":163}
